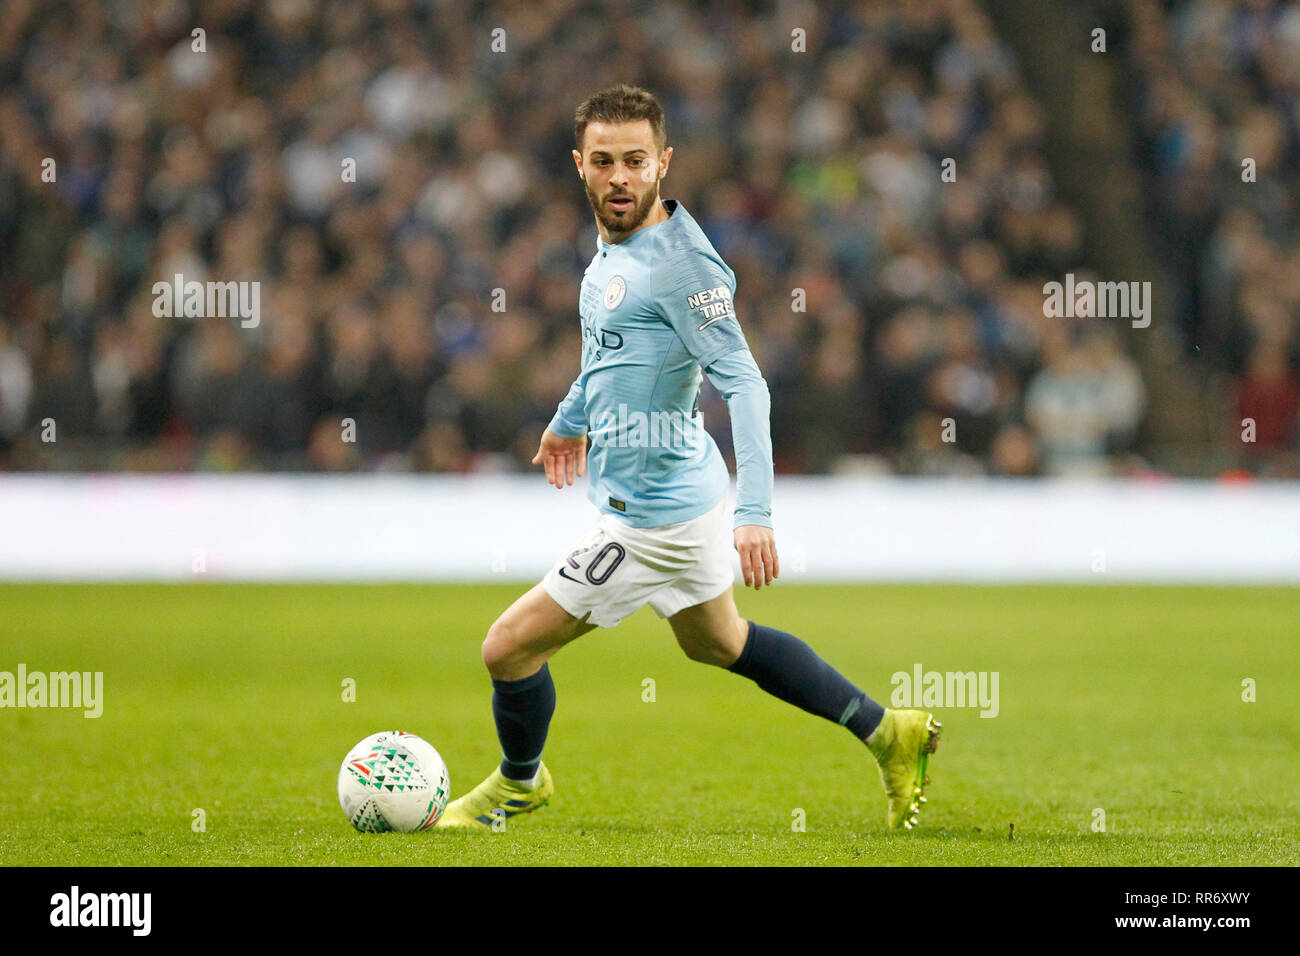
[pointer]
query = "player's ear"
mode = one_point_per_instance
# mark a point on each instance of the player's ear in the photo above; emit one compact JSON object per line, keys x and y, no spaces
{"x":664,"y":160}
{"x":577,"y":161}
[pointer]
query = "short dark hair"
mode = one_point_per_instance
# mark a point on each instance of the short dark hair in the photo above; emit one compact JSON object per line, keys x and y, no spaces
{"x":621,"y":104}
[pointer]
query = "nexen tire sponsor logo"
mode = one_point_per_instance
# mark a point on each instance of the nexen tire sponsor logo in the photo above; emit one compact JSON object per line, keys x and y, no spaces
{"x":713,"y":305}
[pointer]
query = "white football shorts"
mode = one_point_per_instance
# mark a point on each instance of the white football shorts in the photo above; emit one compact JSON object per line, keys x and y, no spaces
{"x":614,"y":569}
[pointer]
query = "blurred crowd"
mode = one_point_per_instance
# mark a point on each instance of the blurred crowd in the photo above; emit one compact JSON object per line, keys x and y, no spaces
{"x":1217,"y":91}
{"x":921,"y":346}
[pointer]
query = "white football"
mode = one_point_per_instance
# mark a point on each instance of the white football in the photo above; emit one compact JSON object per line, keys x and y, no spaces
{"x":393,"y":780}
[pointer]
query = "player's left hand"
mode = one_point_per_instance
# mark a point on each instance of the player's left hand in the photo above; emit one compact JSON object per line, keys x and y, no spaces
{"x":758,"y":560}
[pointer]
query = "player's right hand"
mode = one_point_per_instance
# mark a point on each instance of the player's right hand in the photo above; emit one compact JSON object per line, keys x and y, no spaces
{"x":758,"y":559}
{"x":562,"y":458}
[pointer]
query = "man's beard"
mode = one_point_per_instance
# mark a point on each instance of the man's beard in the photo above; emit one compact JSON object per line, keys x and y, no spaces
{"x":627,"y":221}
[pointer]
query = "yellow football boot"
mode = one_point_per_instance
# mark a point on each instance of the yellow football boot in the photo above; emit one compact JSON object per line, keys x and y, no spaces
{"x":496,"y":799}
{"x":902,"y":745}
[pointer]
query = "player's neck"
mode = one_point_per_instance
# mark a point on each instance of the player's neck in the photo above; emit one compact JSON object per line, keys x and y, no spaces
{"x":657,"y":215}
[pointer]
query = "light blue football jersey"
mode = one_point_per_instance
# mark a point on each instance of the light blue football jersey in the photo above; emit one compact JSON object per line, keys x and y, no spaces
{"x":656,"y":309}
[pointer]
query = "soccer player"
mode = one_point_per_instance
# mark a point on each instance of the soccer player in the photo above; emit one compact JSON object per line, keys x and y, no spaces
{"x":657,"y":309}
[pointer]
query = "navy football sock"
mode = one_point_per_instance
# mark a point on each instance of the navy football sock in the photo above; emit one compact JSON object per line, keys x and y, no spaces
{"x":787,"y":668}
{"x":523,"y":709}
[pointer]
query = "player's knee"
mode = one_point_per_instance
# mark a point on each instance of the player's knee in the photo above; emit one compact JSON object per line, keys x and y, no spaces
{"x":500,"y":647}
{"x":707,"y":651}
{"x":694,"y":651}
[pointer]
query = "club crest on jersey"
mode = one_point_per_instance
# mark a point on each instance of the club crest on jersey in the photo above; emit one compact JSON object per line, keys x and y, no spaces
{"x":614,"y":292}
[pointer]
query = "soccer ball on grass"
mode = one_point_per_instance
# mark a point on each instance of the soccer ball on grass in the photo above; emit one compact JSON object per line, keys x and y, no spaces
{"x":393,"y":780}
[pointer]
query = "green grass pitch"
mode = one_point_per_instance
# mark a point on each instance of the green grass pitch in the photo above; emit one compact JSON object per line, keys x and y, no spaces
{"x":229,"y":698}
